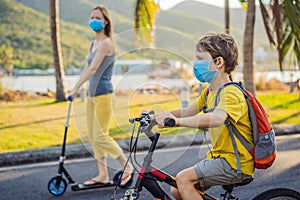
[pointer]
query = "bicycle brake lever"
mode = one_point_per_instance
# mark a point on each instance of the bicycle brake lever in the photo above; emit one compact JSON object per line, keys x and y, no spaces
{"x":151,"y":112}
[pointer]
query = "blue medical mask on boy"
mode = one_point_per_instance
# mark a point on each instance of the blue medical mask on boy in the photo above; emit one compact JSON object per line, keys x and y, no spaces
{"x":96,"y":25}
{"x":202,"y":72}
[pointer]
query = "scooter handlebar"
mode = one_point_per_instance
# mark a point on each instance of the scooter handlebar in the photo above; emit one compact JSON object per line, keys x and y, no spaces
{"x":70,"y":98}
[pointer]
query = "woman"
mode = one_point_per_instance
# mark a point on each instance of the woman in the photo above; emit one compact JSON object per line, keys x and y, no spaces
{"x":98,"y":70}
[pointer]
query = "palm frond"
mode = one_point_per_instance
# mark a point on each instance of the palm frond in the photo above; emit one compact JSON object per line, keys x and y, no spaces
{"x":266,"y":20}
{"x":292,"y":13}
{"x":287,"y":41}
{"x":144,"y":21}
{"x":297,"y":51}
{"x":277,"y":12}
{"x":244,"y":4}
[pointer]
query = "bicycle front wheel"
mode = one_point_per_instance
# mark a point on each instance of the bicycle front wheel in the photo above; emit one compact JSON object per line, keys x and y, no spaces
{"x":278,"y":194}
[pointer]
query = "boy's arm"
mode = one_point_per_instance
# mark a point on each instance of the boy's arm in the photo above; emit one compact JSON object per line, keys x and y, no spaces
{"x":186,"y":117}
{"x":207,"y":120}
{"x":185,"y":112}
{"x":176,"y":114}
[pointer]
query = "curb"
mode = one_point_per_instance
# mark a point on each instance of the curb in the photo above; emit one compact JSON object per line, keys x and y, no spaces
{"x":84,"y":150}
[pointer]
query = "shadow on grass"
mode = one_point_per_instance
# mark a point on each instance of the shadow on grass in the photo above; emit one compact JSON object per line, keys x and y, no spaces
{"x":29,"y":123}
{"x":286,"y":104}
{"x":42,"y":103}
{"x":286,"y":118}
{"x":35,"y":122}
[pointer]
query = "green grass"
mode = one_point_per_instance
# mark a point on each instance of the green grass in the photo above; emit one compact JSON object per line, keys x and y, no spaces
{"x":282,"y":108}
{"x":40,"y":123}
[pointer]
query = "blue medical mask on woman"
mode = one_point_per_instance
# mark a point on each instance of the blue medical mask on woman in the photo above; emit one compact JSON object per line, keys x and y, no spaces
{"x":96,"y":25}
{"x":202,"y":72}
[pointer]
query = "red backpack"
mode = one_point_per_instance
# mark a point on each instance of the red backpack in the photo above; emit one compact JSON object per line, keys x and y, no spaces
{"x":264,"y":152}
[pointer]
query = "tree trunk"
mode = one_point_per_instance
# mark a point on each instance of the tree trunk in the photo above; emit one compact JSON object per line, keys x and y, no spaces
{"x":227,"y":23}
{"x":227,"y":16}
{"x":56,"y":49}
{"x":248,"y":47}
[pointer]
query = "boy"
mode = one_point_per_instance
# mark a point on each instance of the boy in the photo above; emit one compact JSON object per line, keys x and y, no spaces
{"x":216,"y":57}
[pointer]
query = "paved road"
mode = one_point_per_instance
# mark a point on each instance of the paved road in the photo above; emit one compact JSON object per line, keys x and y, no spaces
{"x":29,"y":182}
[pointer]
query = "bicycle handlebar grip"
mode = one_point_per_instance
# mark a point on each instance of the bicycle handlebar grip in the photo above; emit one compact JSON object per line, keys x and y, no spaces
{"x":169,"y":122}
{"x":70,"y":98}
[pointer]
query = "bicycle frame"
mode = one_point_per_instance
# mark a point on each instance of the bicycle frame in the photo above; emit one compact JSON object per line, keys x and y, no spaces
{"x":149,"y":175}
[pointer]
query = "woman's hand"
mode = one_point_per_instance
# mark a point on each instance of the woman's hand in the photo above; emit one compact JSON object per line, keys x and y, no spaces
{"x":72,"y":93}
{"x":160,"y":118}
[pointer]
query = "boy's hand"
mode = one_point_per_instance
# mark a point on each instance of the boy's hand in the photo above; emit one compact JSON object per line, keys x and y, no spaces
{"x":159,"y":118}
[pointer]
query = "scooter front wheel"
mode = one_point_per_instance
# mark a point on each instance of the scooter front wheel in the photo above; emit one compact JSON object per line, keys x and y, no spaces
{"x":57,"y":186}
{"x":117,"y":180}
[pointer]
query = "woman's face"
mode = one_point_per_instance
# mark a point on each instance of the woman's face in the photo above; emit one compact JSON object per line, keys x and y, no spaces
{"x":97,"y":14}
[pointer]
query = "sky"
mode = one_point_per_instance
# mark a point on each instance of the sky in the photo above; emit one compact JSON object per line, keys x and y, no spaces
{"x":166,"y":4}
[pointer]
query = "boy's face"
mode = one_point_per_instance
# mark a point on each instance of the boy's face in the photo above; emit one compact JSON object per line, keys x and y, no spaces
{"x":204,"y":55}
{"x":205,"y":69}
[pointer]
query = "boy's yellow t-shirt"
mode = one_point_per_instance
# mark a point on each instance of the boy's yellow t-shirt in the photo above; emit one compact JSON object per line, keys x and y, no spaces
{"x":232,"y":101}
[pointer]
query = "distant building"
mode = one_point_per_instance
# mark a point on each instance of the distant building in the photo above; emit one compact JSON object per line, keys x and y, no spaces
{"x":132,"y":66}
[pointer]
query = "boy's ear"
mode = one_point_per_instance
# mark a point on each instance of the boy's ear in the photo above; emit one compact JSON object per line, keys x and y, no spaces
{"x":220,"y":62}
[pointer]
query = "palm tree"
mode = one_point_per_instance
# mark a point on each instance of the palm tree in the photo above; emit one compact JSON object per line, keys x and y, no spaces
{"x":285,"y":24}
{"x":248,"y":47}
{"x":227,"y":16}
{"x":56,"y":49}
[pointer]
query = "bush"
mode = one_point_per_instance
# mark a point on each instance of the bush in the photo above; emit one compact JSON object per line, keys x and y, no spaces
{"x":273,"y":84}
{"x":11,"y":95}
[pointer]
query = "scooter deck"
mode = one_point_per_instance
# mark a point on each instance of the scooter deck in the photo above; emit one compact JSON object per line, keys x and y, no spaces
{"x":82,"y":186}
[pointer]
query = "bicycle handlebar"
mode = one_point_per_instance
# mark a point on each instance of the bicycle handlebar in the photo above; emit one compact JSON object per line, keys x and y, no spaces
{"x":146,"y":123}
{"x":169,"y":122}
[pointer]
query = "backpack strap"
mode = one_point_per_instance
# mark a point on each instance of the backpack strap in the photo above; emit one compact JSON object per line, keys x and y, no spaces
{"x":238,"y":160}
{"x":240,"y":137}
{"x":204,"y":108}
{"x":252,"y":115}
{"x":238,"y":85}
{"x":233,"y":131}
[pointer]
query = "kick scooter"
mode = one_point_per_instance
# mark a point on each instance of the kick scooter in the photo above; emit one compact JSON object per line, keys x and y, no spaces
{"x":58,"y":185}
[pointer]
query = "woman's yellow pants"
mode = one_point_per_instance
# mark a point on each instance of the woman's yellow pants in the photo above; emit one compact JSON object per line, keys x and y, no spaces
{"x":99,"y":111}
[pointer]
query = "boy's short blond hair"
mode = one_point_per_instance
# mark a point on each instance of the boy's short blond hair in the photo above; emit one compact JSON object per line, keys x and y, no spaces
{"x":220,"y":44}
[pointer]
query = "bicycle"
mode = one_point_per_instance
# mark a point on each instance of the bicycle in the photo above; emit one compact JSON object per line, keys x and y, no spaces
{"x":149,"y":176}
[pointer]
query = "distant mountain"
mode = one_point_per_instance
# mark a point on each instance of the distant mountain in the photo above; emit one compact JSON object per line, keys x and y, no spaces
{"x":79,"y":11}
{"x":25,"y":27}
{"x":216,"y":15}
{"x":27,"y":31}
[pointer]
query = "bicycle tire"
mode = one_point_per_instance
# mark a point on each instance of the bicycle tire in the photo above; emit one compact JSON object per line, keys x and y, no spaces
{"x":278,"y":194}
